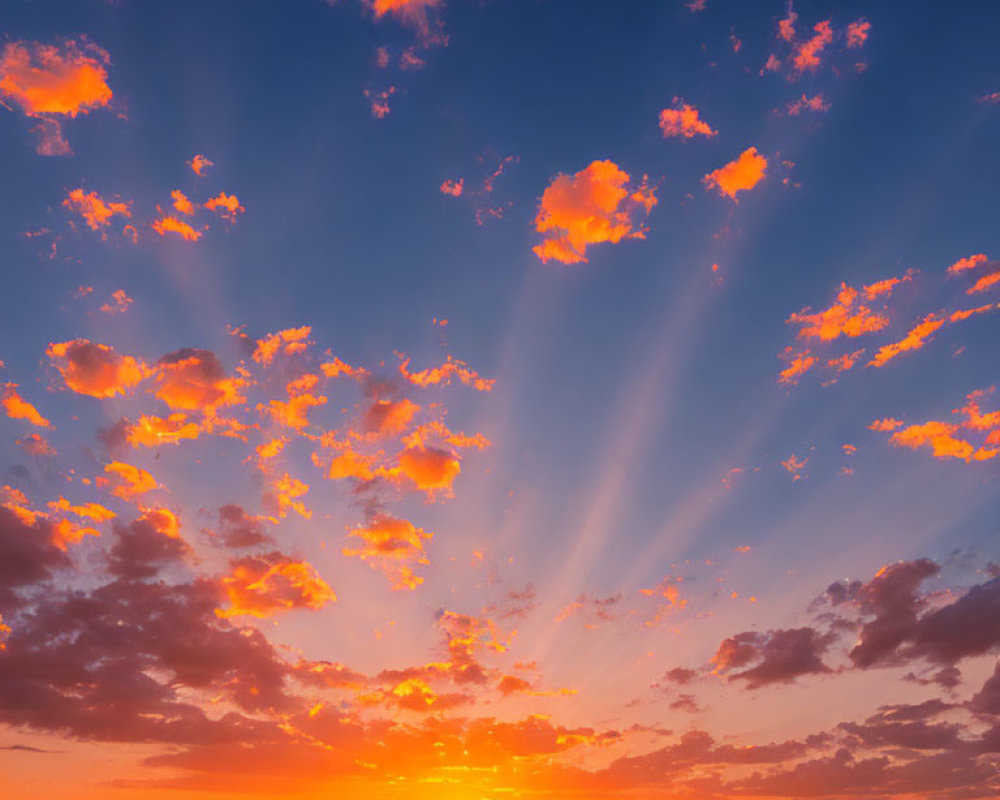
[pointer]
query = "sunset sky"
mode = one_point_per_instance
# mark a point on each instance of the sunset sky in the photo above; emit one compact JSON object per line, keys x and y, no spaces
{"x":487,"y":399}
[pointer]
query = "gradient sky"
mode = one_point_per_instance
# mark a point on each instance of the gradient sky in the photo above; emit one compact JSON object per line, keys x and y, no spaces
{"x":499,"y":398}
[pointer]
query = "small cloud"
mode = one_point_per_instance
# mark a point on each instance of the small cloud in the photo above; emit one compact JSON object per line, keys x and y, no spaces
{"x":453,"y":188}
{"x":199,"y":164}
{"x":806,"y":54}
{"x":685,"y":121}
{"x":740,"y":175}
{"x":94,"y":209}
{"x":857,"y":33}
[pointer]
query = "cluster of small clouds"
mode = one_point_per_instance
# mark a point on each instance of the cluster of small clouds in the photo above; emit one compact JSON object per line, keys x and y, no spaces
{"x":858,"y":314}
{"x":184,"y":217}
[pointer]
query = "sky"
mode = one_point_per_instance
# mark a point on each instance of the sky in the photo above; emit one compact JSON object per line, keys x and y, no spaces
{"x":486,"y":399}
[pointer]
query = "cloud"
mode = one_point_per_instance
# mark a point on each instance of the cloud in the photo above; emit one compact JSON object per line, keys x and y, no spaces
{"x":857,"y":33}
{"x":451,"y":369}
{"x":974,"y":438}
{"x":191,"y":379}
{"x":786,"y":25}
{"x":171,"y":224}
{"x":737,"y":176}
{"x":430,"y":469}
{"x":182,"y":202}
{"x":153,"y":431}
{"x":96,"y":212}
{"x":395,"y":546}
{"x":95,"y":369}
{"x":226,"y":205}
{"x":49,"y":81}
{"x":684,"y":120}
{"x":886,"y":424}
{"x":35,"y":445}
{"x":794,"y":466}
{"x":915,"y":339}
{"x":804,"y":103}
{"x":799,"y":363}
{"x":967,"y":263}
{"x":292,"y":413}
{"x":453,"y":188}
{"x":418,"y":14}
{"x":261,"y":586}
{"x":387,"y":417}
{"x":806,"y":54}
{"x":199,"y":164}
{"x":118,"y":303}
{"x":147,"y":545}
{"x":848,"y":316}
{"x":984,"y":283}
{"x":17,"y":407}
{"x":594,"y":206}
{"x":131,"y":481}
{"x":287,"y":342}
{"x":240,"y":529}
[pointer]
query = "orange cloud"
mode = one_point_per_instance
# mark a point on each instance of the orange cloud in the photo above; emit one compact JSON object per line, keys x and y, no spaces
{"x":846,"y":361}
{"x":593,"y":206}
{"x":385,"y":417}
{"x":92,"y":511}
{"x":68,"y":79}
{"x":956,"y":439}
{"x":95,"y":369}
{"x":786,"y":26}
{"x":284,"y":495}
{"x":814,"y":103}
{"x":96,"y":212}
{"x":171,"y":224}
{"x":292,"y":413}
{"x":351,"y":464}
{"x":392,"y":545}
{"x":118,"y":303}
{"x":795,"y":467}
{"x":984,"y":283}
{"x":885,"y":287}
{"x":940,"y":437}
{"x":798,"y":365}
{"x":227,"y":205}
{"x":19,"y":408}
{"x":886,"y":424}
{"x":429,"y":468}
{"x":380,"y":101}
{"x":806,"y":55}
{"x":191,"y":379}
{"x":915,"y":339}
{"x":182,"y":203}
{"x":261,"y":586}
{"x":336,"y":368}
{"x":683,"y":120}
{"x":453,"y":188}
{"x":199,"y":164}
{"x":452,"y":368}
{"x":382,"y":7}
{"x":64,"y":533}
{"x":152,"y":431}
{"x":737,"y":176}
{"x":131,"y":481}
{"x":967,"y":263}
{"x":846,"y":317}
{"x":857,"y":33}
{"x":963,"y":314}
{"x":288,"y":342}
